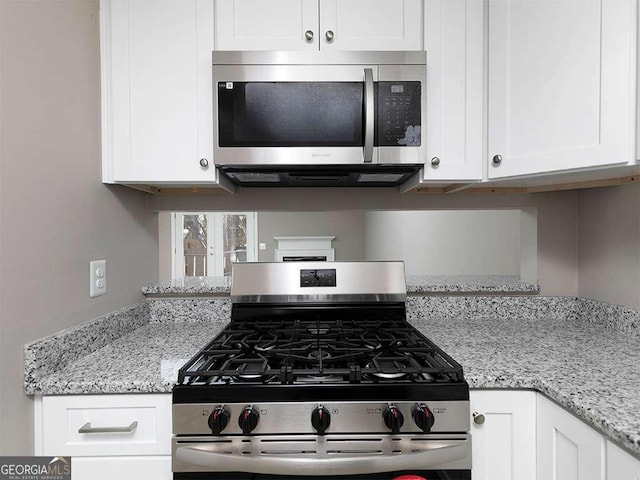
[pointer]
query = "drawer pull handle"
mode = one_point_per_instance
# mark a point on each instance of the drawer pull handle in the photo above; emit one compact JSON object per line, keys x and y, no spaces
{"x":87,"y":428}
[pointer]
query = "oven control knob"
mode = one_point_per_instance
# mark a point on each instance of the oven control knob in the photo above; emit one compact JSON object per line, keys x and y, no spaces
{"x":248,"y":419}
{"x":218,"y":420}
{"x":320,"y":419}
{"x":423,"y":417}
{"x":393,"y":418}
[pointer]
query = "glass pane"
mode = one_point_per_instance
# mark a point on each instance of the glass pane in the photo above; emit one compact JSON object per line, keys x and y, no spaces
{"x":234,"y":232}
{"x":290,"y":114}
{"x":195,"y":245}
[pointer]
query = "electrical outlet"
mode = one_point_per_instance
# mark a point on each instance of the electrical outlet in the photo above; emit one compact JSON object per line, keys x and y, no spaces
{"x":97,"y":278}
{"x":262,"y":246}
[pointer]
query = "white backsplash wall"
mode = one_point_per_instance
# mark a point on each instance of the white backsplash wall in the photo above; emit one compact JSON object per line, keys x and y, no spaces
{"x":609,"y":245}
{"x":56,"y":215}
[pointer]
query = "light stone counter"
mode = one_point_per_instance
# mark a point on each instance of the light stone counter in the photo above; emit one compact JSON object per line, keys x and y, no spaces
{"x":426,"y":284}
{"x":584,"y":355}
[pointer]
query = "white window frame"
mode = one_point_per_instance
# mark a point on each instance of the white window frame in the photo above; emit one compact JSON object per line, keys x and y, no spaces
{"x":215,"y":257}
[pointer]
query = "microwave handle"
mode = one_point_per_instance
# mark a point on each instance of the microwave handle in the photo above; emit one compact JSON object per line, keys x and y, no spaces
{"x":369,"y":115}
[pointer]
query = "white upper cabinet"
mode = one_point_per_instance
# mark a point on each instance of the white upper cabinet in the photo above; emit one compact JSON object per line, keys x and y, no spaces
{"x":454,"y":125}
{"x":266,"y":25}
{"x":561,"y":85}
{"x":157,"y":91}
{"x":318,"y":24}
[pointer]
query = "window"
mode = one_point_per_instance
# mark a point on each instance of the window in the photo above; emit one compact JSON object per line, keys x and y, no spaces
{"x":207,"y":243}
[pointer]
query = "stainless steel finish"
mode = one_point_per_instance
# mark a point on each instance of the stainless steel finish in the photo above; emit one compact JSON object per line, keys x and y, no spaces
{"x":204,"y":163}
{"x":496,"y":160}
{"x":316,"y":67}
{"x":318,"y":58}
{"x":330,"y":454}
{"x":329,"y":36}
{"x":87,"y":428}
{"x":435,"y":161}
{"x":369,"y":112}
{"x":355,"y":281}
{"x":308,"y":35}
{"x":346,"y":417}
{"x":478,"y":418}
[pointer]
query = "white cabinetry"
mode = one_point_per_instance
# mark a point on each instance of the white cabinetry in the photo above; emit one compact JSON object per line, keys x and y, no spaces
{"x":454,"y":44}
{"x":157,"y":91}
{"x":109,"y":436}
{"x":318,"y":24}
{"x":504,"y":445}
{"x":561,"y":83}
{"x":621,"y":465}
{"x":567,"y":448}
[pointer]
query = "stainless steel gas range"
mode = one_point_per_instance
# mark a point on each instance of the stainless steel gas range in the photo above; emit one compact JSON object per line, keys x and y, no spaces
{"x":319,"y":375}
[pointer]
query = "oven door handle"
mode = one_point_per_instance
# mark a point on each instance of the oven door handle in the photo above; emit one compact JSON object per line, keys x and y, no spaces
{"x":437,"y":456}
{"x":369,"y":115}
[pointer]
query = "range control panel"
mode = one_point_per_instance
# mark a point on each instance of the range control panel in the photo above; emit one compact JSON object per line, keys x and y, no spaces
{"x":321,"y":418}
{"x":325,"y":277}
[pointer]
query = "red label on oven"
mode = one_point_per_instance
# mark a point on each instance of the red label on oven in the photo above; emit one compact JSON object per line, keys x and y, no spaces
{"x":409,"y":477}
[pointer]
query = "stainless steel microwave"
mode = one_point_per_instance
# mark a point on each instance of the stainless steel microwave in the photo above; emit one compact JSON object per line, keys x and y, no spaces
{"x":298,"y":118}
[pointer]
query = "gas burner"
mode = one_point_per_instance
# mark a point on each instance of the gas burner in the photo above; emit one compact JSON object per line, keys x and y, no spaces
{"x":389,"y":368}
{"x":252,"y":373}
{"x":320,"y":354}
{"x":320,"y":378}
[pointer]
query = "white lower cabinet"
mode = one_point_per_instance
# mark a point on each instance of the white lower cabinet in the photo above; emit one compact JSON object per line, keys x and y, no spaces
{"x":621,"y":465}
{"x":504,"y":445}
{"x":127,"y":437}
{"x":567,"y":448}
{"x":524,"y":436}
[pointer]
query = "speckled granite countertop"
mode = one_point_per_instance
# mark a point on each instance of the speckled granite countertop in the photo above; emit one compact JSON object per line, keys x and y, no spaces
{"x":591,"y":370}
{"x":427,"y":284}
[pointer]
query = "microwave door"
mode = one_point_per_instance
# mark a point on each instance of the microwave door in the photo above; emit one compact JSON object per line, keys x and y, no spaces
{"x":294,"y":115}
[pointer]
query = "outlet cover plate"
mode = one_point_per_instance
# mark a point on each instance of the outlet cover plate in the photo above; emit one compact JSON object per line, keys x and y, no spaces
{"x":97,"y":278}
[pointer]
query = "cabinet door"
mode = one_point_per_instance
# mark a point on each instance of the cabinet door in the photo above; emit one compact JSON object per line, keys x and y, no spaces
{"x":560,"y":85}
{"x":157,"y":91}
{"x":504,"y":445}
{"x":453,"y":40}
{"x":621,"y":465}
{"x":262,"y":25}
{"x":122,"y":468}
{"x":371,"y":24}
{"x":568,"y":449}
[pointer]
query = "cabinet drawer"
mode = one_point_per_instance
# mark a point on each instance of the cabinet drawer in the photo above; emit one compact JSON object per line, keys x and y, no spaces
{"x":122,"y":468}
{"x":104,"y":425}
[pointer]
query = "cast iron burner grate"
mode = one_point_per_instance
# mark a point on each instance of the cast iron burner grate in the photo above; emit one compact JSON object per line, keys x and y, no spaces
{"x":319,"y":344}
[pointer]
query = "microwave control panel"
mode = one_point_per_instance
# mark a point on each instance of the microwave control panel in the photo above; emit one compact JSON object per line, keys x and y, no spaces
{"x":399,"y":107}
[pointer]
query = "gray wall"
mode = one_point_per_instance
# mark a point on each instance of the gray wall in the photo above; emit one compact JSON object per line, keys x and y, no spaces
{"x":55,"y":213}
{"x":556,"y":213}
{"x":609,"y":245}
{"x":446,"y":242}
{"x":346,"y":226}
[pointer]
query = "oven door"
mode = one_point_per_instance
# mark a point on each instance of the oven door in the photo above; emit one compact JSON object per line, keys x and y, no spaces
{"x":406,"y":457}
